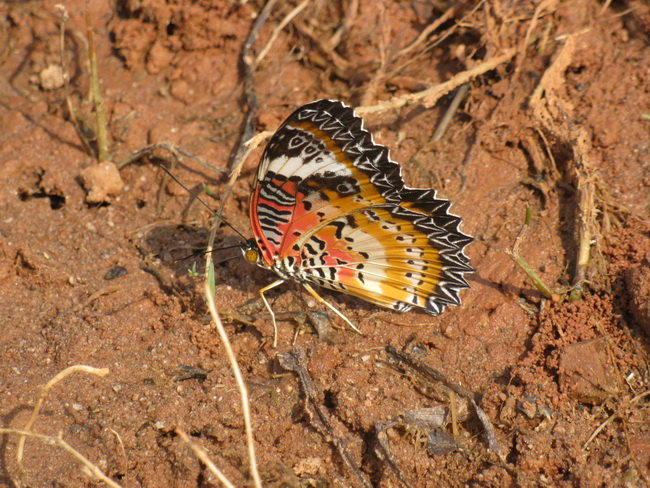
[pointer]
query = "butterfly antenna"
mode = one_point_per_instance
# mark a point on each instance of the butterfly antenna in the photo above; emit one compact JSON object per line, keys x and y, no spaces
{"x":196,"y":254}
{"x":202,"y":202}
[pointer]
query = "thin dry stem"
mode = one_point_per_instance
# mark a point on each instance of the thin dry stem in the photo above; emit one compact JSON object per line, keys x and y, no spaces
{"x":549,"y":5}
{"x":250,"y":145}
{"x":587,"y":216}
{"x":430,"y":96}
{"x":553,"y":111}
{"x":527,"y":268}
{"x":348,"y":21}
{"x":240,"y":384}
{"x":204,"y":458}
{"x":385,"y":56}
{"x":609,"y":419}
{"x":276,"y":32}
{"x":63,"y":374}
{"x":63,"y":12}
{"x":102,"y":140}
{"x":99,"y":293}
{"x":453,"y":408}
{"x":122,"y":450}
{"x":426,"y":31}
{"x":58,"y":441}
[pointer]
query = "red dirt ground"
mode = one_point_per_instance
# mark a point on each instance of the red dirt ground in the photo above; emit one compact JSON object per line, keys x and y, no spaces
{"x":562,"y":128}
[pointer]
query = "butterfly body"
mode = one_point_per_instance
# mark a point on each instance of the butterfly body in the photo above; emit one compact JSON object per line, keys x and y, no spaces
{"x":329,"y":207}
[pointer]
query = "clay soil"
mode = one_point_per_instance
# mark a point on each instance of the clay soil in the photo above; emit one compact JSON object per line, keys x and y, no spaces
{"x":559,"y":124}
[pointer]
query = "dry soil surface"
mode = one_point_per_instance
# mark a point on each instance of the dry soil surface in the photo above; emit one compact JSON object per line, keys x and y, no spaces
{"x":556,"y":119}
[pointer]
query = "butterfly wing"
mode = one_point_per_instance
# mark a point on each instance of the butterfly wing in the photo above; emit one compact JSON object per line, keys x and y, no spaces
{"x":389,"y":255}
{"x":320,"y":163}
{"x":331,"y":206}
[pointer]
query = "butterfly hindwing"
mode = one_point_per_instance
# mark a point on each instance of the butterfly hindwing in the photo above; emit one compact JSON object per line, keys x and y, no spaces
{"x":387,"y":255}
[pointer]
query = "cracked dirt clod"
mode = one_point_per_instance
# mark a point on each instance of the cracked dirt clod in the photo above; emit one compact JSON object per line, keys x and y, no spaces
{"x":585,"y":373}
{"x":102,"y":182}
{"x":638,"y":286}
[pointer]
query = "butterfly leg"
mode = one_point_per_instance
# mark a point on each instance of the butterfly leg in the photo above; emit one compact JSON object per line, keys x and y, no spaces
{"x":330,"y":306}
{"x":268,"y":307}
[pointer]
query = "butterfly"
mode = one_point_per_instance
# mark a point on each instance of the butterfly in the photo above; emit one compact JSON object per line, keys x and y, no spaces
{"x":330,"y":208}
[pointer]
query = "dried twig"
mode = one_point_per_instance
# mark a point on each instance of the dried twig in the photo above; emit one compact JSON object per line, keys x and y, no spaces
{"x":294,"y":361}
{"x":248,"y":62}
{"x":346,"y":25}
{"x":63,"y":13}
{"x":385,"y":55}
{"x":612,"y":417}
{"x":249,"y":65}
{"x":553,"y":112}
{"x":546,"y":5}
{"x":337,"y":63}
{"x":428,"y":97}
{"x":102,"y":140}
{"x":449,"y":114}
{"x":382,"y":451}
{"x":435,"y":376}
{"x":449,"y":13}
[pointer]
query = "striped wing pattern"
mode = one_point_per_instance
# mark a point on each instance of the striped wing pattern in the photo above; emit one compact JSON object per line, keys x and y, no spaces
{"x":329,"y":207}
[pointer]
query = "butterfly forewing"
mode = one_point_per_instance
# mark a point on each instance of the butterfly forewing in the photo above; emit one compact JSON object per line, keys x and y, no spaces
{"x":318,"y":164}
{"x":329,"y":207}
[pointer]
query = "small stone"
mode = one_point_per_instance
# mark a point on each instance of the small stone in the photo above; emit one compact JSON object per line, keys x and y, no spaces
{"x":115,"y":272}
{"x":528,"y":406}
{"x":51,"y":78}
{"x":102,"y":182}
{"x":158,"y":58}
{"x":181,"y":90}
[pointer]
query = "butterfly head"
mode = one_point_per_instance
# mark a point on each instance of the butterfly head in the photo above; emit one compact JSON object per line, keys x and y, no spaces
{"x":251,"y":252}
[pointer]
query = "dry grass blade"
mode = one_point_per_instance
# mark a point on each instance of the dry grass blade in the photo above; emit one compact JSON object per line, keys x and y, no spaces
{"x":523,"y":264}
{"x":205,"y":459}
{"x":63,"y":13}
{"x":240,"y":384}
{"x":615,"y":415}
{"x":39,"y":403}
{"x":250,"y":145}
{"x":58,"y":441}
{"x":449,"y":114}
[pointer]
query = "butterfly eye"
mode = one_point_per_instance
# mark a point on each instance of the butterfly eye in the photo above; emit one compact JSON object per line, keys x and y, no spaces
{"x":251,"y":255}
